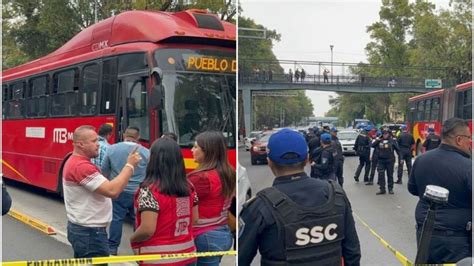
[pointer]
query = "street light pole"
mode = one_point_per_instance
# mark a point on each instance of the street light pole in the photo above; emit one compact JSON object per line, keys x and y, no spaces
{"x":331,"y":46}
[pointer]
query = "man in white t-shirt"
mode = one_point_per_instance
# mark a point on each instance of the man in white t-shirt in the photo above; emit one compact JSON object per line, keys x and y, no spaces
{"x":87,"y":195}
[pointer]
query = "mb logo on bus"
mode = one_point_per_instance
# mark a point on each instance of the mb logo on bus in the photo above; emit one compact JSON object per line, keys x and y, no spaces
{"x":60,"y":135}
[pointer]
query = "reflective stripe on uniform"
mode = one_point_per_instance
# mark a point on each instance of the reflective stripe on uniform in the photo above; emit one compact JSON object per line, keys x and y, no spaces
{"x":211,"y":221}
{"x":167,"y":248}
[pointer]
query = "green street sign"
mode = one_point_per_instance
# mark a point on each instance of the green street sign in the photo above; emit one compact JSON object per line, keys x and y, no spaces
{"x":433,"y":84}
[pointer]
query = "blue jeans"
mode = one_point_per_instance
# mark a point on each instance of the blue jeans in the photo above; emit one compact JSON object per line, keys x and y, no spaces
{"x":120,"y":207}
{"x":88,"y":242}
{"x":219,"y":239}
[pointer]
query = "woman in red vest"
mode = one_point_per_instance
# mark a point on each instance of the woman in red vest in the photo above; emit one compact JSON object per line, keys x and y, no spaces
{"x":165,"y":204}
{"x":214,"y":181}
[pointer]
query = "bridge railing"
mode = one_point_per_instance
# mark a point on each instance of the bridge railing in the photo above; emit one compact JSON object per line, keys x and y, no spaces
{"x":335,"y":80}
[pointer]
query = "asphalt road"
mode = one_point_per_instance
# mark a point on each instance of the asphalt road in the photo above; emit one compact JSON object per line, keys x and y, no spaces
{"x":48,"y":208}
{"x":22,"y":242}
{"x":390,"y":216}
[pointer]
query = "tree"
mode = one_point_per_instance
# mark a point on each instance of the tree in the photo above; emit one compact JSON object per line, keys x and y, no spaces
{"x":410,"y":35}
{"x":269,"y":110}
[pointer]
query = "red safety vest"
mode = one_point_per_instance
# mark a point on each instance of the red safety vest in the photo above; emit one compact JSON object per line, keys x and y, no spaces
{"x":213,"y":208}
{"x":173,"y":233}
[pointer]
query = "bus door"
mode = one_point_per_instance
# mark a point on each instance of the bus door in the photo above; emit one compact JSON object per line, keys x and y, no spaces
{"x":133,"y":102}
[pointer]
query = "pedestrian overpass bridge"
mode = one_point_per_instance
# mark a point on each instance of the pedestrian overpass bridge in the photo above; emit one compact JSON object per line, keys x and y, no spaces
{"x":265,"y":75}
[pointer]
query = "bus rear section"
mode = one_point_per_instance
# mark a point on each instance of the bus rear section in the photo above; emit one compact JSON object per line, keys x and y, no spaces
{"x":431,"y":109}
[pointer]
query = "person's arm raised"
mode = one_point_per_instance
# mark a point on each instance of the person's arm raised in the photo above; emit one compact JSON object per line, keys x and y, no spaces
{"x":112,"y":189}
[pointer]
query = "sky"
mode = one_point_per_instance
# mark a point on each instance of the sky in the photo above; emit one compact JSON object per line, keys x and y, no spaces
{"x":308,"y":28}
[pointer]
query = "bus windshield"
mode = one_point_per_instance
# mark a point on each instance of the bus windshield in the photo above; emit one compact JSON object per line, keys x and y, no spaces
{"x":199,"y":88}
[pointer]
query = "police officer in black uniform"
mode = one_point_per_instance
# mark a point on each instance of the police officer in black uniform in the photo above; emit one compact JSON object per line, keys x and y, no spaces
{"x":386,"y":160}
{"x":322,"y":160}
{"x":374,"y":159}
{"x":362,"y":147}
{"x":405,"y":143}
{"x":432,"y":141}
{"x":448,"y":166}
{"x":315,"y":141}
{"x":338,"y":156}
{"x":299,"y":220}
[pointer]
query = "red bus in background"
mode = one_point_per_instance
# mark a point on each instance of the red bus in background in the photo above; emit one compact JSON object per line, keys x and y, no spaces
{"x":158,"y":71}
{"x":432,"y":108}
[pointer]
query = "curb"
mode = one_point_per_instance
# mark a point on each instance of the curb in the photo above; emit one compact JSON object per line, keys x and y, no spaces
{"x":37,"y":224}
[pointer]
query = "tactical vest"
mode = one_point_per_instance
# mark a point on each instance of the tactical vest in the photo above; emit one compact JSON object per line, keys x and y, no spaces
{"x":385,"y":149}
{"x":363,"y":147}
{"x":173,"y":231}
{"x":434,"y":142}
{"x":312,"y":235}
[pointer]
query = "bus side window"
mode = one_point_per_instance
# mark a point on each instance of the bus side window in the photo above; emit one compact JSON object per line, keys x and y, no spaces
{"x":427,"y":109}
{"x":420,"y":111}
{"x":16,"y":104}
{"x":435,"y":109}
{"x":108,"y":95}
{"x":64,"y":97}
{"x":468,"y":104}
{"x":88,"y":92}
{"x":37,"y":99}
{"x":5,"y":99}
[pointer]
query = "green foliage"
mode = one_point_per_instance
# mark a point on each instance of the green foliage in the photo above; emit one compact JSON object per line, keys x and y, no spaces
{"x":269,"y":110}
{"x":409,"y":35}
{"x":258,"y":49}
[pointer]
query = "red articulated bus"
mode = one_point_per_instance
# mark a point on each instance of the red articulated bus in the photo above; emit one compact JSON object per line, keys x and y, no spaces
{"x":158,"y":71}
{"x":429,"y":110}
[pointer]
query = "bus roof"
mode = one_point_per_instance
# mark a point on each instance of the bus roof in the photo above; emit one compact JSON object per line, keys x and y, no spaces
{"x":426,"y":95}
{"x":139,"y":26}
{"x":464,"y":86}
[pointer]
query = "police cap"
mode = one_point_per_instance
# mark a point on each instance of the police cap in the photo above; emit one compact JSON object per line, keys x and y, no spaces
{"x":326,"y":138}
{"x":287,"y":147}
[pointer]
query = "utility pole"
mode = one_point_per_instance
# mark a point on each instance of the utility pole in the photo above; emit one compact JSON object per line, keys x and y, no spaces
{"x":331,"y":46}
{"x":95,"y":11}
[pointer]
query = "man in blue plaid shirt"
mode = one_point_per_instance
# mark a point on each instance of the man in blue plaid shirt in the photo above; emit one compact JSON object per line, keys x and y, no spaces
{"x":105,"y":132}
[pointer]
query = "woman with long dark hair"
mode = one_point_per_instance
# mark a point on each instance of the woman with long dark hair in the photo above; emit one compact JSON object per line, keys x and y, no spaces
{"x":214,"y":181}
{"x":166,"y":204}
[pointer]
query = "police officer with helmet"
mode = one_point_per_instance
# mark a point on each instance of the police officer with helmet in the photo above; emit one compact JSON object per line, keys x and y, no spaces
{"x":386,"y":160}
{"x":405,"y":143}
{"x":432,"y":140}
{"x":299,"y":220}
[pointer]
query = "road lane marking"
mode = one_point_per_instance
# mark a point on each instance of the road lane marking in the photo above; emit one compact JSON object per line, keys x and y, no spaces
{"x":35,"y":223}
{"x":403,"y":259}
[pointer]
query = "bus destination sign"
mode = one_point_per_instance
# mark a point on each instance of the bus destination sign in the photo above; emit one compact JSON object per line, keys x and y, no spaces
{"x":211,"y":63}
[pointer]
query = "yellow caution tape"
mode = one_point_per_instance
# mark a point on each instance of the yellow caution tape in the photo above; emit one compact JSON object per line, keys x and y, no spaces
{"x":403,"y":259}
{"x":118,"y":259}
{"x":37,"y":224}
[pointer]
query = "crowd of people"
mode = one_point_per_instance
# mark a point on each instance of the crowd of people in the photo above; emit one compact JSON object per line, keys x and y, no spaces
{"x":300,"y":220}
{"x":174,"y":212}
